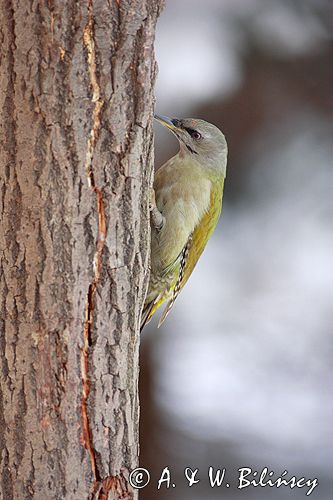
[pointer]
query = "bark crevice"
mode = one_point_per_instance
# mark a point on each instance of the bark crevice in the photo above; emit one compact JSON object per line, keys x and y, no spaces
{"x":89,"y":43}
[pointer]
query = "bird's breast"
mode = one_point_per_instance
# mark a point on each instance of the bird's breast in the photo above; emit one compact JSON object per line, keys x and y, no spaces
{"x":183,"y":197}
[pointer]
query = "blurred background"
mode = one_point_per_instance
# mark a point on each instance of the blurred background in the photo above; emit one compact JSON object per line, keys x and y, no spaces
{"x":241,"y":372}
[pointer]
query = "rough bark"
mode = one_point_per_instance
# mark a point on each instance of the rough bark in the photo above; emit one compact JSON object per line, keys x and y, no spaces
{"x":76,"y":99}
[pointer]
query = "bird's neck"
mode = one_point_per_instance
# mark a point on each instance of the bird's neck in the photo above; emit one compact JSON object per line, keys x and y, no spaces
{"x":215,"y":167}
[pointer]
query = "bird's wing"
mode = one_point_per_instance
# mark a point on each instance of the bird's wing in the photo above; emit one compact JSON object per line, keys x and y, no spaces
{"x":195,"y":246}
{"x":179,"y":283}
{"x":150,"y":307}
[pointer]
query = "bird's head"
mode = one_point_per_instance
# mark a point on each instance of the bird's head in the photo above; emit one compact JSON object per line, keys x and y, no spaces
{"x":199,"y":139}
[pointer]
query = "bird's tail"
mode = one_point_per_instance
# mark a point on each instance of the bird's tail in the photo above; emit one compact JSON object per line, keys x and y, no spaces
{"x":149,"y":310}
{"x":146,"y":314}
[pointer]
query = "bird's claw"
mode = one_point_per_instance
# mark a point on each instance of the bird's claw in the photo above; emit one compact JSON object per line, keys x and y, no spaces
{"x":152,"y":199}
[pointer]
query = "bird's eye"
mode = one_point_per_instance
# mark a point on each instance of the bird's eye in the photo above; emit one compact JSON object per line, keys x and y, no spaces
{"x":196,"y":135}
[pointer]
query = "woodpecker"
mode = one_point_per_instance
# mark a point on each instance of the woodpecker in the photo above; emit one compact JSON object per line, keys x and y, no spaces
{"x":185,"y":205}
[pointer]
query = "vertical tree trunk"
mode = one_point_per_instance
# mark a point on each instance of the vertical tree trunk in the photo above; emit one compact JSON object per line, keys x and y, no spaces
{"x":76,"y":98}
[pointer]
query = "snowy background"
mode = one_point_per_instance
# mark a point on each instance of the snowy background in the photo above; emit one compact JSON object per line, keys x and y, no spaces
{"x":241,"y":372}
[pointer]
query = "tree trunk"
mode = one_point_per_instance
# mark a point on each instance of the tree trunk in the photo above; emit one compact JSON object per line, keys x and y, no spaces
{"x":76,"y":99}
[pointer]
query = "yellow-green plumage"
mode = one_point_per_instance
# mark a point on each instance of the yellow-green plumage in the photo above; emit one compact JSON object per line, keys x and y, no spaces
{"x":188,"y":194}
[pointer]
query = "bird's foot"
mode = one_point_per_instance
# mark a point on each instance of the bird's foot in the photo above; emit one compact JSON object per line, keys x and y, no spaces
{"x":156,"y":217}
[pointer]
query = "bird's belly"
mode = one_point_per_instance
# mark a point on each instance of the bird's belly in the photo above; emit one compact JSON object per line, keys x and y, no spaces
{"x":162,"y":284}
{"x":168,"y":243}
{"x":166,"y":248}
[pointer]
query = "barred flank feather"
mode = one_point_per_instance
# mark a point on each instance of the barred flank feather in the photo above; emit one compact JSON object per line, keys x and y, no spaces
{"x":178,"y":286}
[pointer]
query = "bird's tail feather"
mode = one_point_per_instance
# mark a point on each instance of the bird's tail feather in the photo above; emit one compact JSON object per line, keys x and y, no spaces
{"x":150,"y":308}
{"x":146,"y":314}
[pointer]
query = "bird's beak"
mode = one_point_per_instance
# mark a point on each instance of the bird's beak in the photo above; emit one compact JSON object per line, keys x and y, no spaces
{"x":171,"y":123}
